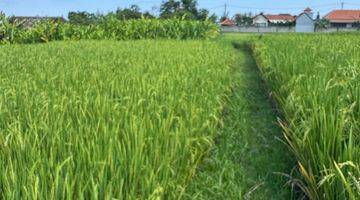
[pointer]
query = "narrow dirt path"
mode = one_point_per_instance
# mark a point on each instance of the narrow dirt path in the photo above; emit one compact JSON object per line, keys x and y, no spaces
{"x":248,"y":155}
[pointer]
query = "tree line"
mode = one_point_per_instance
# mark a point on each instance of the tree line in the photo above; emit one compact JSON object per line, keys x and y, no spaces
{"x":183,"y":9}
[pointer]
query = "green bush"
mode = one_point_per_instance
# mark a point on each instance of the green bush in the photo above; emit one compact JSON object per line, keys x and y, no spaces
{"x":108,"y":28}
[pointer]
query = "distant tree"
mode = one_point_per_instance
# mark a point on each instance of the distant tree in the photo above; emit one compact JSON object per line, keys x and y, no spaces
{"x":243,"y":19}
{"x":170,"y":9}
{"x":85,"y":18}
{"x":133,"y":12}
{"x":148,"y":15}
{"x":322,"y":23}
{"x":356,"y":24}
{"x":239,"y":20}
{"x":202,"y":14}
{"x":82,"y":18}
{"x":213,"y":18}
{"x":184,"y":9}
{"x":190,"y":6}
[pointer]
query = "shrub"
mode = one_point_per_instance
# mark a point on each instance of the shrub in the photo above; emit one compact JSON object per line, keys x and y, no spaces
{"x":108,"y":28}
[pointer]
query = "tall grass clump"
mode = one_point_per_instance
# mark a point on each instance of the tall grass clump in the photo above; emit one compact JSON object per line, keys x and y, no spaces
{"x":315,"y":80}
{"x":105,"y":119}
{"x":107,"y":28}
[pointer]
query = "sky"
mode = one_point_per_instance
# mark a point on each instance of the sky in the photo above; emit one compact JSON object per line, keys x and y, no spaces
{"x":62,"y":7}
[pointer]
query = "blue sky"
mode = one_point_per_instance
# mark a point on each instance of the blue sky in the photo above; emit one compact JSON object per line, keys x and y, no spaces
{"x":62,"y":7}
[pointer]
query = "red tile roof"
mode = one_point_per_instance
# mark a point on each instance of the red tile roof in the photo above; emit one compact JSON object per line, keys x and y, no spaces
{"x":228,"y":22}
{"x":343,"y":16}
{"x":286,"y":17}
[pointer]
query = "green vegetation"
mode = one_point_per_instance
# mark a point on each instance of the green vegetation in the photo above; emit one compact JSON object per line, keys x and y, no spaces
{"x":315,"y":80}
{"x":86,"y":18}
{"x":186,"y":9}
{"x":105,"y":119}
{"x":248,"y":159}
{"x":108,"y":28}
{"x":169,"y":9}
{"x":176,"y":119}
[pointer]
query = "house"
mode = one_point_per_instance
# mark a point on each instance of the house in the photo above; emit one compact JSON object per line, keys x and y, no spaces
{"x":30,"y":21}
{"x":281,"y":18}
{"x":305,"y":22}
{"x":228,"y":22}
{"x":262,"y":20}
{"x":344,"y":18}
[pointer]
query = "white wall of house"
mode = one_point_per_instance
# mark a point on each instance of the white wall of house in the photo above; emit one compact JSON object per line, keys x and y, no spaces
{"x":279,"y":29}
{"x":260,"y":21}
{"x":275,"y":21}
{"x":305,"y":24}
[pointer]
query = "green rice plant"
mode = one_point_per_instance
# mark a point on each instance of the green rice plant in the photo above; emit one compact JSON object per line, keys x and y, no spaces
{"x":315,"y":80}
{"x":107,"y":119}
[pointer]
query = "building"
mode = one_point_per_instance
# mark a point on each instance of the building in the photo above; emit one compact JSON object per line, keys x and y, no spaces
{"x":344,"y":18}
{"x":305,"y":22}
{"x":262,"y":20}
{"x":281,"y":18}
{"x":228,"y":22}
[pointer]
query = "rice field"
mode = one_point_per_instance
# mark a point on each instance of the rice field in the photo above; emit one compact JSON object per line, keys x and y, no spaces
{"x":315,"y":80}
{"x":107,"y":119}
{"x":181,"y":119}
